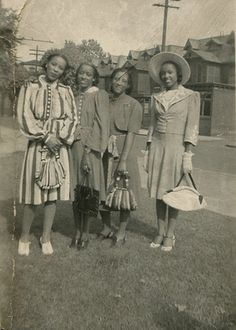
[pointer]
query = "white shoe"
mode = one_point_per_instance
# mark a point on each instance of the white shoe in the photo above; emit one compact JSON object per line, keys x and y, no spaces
{"x":23,"y":248}
{"x":168,"y":243}
{"x":157,"y":242}
{"x":46,"y":247}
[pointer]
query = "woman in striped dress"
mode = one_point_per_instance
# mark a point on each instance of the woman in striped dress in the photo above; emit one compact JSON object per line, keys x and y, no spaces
{"x":47,"y":118}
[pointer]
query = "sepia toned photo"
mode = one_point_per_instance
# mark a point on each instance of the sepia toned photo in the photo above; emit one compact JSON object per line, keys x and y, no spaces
{"x":117,"y":165}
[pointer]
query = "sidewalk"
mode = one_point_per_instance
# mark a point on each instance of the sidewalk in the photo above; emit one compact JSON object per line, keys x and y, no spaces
{"x":144,"y":131}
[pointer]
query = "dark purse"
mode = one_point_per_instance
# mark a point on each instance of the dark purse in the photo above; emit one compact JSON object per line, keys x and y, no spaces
{"x":87,"y":198}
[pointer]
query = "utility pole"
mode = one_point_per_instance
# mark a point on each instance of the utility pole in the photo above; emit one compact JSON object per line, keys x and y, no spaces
{"x":166,"y":7}
{"x":37,"y":52}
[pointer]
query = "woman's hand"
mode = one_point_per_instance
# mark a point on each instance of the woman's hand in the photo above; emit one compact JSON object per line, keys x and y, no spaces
{"x":122,"y":166}
{"x":53,"y":143}
{"x":148,"y":145}
{"x":85,"y":163}
{"x":187,"y":162}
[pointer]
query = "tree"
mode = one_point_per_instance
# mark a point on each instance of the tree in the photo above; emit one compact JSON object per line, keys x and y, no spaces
{"x":91,"y":49}
{"x":8,"y":42}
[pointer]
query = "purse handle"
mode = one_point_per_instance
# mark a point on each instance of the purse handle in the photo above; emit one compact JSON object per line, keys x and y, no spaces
{"x":191,"y":178}
{"x":86,"y":180}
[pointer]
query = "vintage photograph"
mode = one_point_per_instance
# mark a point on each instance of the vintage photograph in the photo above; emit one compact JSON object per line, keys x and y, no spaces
{"x":117,"y":165}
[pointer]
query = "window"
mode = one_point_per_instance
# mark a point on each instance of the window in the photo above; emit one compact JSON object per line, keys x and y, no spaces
{"x":201,"y":72}
{"x":213,"y":73}
{"x":205,"y":110}
{"x":146,"y":107}
{"x":143,"y":83}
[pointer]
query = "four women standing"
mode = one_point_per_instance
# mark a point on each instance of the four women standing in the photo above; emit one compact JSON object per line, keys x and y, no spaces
{"x":48,"y":118}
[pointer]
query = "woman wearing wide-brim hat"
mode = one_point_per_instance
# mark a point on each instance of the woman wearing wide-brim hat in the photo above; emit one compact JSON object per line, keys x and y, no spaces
{"x":173,"y":132}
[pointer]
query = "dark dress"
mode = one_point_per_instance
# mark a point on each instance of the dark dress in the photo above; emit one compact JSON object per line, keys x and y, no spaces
{"x":92,"y":131}
{"x":125,"y":117}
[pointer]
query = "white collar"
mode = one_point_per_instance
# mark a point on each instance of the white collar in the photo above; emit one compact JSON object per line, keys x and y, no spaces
{"x":181,"y":93}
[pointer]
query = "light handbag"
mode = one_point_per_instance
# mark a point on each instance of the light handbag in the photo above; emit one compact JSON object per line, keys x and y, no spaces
{"x":120,"y":196}
{"x":51,"y":173}
{"x":185,"y":198}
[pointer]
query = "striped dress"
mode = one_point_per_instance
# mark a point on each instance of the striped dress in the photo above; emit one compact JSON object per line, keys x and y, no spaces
{"x":44,"y":109}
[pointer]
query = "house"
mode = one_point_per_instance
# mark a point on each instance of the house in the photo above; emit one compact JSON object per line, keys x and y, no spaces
{"x":105,"y":67}
{"x":32,"y":66}
{"x":212,"y":63}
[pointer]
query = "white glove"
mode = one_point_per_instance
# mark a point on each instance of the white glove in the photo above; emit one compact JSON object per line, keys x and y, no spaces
{"x":187,"y":162}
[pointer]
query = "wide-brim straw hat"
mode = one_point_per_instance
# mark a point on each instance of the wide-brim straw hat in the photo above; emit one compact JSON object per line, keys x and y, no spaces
{"x":157,"y":61}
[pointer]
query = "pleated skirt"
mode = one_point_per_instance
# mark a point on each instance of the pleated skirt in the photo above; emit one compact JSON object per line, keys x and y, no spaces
{"x":164,"y":163}
{"x":30,"y":192}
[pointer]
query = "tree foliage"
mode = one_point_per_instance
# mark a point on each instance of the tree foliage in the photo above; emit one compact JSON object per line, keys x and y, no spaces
{"x":86,"y":51}
{"x":8,"y":42}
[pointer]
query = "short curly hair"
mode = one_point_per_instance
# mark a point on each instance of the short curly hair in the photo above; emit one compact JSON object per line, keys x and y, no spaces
{"x":54,"y":53}
{"x":95,"y":73}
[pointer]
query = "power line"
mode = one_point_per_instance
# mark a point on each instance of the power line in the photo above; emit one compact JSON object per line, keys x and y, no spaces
{"x":32,"y":39}
{"x":37,"y":52}
{"x":166,"y":7}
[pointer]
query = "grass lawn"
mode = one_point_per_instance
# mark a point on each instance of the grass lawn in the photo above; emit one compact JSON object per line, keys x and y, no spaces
{"x":133,"y":287}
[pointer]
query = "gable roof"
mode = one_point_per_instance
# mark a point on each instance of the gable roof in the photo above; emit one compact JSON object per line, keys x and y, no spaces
{"x":136,"y":54}
{"x":222,"y":53}
{"x":203,"y":43}
{"x":207,"y":56}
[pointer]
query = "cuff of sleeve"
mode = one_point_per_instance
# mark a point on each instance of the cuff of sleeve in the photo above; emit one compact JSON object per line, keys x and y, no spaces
{"x":46,"y":137}
{"x":191,"y":141}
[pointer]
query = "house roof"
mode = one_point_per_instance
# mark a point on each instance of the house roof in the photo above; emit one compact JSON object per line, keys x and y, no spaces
{"x":222,"y":53}
{"x":192,"y":43}
{"x":207,"y":56}
{"x":141,"y":64}
{"x":203,"y":43}
{"x":136,"y":54}
{"x":121,"y":61}
{"x":175,"y":49}
{"x":214,"y":41}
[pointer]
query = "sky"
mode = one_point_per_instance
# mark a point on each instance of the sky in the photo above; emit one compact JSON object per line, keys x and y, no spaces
{"x":119,"y":25}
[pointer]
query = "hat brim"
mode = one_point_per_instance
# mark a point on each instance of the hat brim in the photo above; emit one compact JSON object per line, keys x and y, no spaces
{"x":157,"y":61}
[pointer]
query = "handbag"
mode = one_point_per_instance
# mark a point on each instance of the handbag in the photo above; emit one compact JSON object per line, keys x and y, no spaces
{"x":185,"y":198}
{"x":120,"y":196}
{"x":86,"y":198}
{"x":51,"y":173}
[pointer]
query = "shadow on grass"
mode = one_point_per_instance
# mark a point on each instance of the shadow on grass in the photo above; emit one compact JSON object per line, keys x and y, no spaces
{"x":170,"y":319}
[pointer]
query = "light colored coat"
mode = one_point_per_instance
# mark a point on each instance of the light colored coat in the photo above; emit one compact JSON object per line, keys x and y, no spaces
{"x":178,"y":116}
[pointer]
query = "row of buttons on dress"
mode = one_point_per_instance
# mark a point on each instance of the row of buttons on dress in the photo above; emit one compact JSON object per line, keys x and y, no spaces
{"x":81,"y":99}
{"x":48,"y":101}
